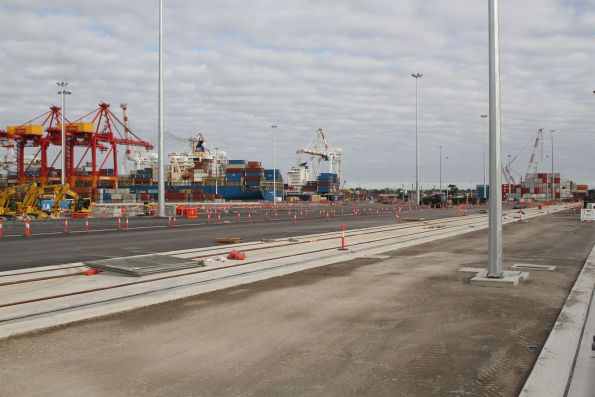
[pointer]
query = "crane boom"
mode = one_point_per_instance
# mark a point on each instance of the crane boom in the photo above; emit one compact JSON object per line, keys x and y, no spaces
{"x":532,"y":158}
{"x":508,"y":176}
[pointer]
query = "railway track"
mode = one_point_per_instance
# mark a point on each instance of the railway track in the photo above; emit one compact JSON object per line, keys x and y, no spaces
{"x":246,"y":247}
{"x":366,"y":240}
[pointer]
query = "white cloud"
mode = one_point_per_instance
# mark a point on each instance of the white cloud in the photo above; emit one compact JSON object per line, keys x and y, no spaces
{"x":234,"y":67}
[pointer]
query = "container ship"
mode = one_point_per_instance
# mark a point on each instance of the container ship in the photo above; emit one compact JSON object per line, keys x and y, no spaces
{"x":202,"y":174}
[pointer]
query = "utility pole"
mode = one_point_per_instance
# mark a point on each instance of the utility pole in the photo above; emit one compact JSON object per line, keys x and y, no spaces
{"x":445,"y":177}
{"x":63,"y":92}
{"x":416,"y":76}
{"x":274,"y":127}
{"x":440,"y":147}
{"x":553,"y":183}
{"x":161,"y":155}
{"x":216,"y":170}
{"x":495,"y":212}
{"x":485,"y":168}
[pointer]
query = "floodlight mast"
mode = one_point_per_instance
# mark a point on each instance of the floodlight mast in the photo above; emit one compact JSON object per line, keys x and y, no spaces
{"x":416,"y":76}
{"x":494,"y":269}
{"x":63,"y":92}
{"x":160,"y":143}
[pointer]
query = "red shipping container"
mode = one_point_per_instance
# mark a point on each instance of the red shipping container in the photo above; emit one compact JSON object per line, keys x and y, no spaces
{"x":556,"y":180}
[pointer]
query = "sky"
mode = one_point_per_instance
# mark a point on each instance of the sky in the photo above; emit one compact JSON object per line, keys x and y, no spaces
{"x":233,"y":68}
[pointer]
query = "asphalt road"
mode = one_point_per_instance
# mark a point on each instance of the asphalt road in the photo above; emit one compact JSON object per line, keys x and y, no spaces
{"x":49,"y":245}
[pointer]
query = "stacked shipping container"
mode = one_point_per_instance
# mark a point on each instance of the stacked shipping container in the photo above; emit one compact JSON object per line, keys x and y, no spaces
{"x":328,"y":183}
{"x":544,"y":186}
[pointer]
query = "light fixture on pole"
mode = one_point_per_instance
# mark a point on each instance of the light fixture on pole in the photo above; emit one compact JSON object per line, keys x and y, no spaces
{"x":416,"y":76}
{"x":485,"y":168}
{"x":274,"y":127}
{"x":553,"y":181}
{"x":494,"y":269}
{"x":160,"y":142}
{"x":63,"y":92}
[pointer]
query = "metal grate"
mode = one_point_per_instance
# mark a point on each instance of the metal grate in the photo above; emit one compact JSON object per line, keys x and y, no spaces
{"x":144,"y":264}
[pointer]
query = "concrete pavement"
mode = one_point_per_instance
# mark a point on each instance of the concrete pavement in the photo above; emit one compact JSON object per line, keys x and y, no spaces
{"x":407,"y":325}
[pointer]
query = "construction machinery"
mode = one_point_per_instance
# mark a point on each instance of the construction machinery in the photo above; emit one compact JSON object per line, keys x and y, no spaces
{"x":27,"y":200}
{"x":435,"y":201}
{"x":29,"y":204}
{"x":7,"y":202}
{"x":78,"y":205}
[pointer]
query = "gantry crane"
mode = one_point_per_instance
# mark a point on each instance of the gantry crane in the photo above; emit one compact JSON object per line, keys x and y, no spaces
{"x":320,"y":149}
{"x":97,"y":131}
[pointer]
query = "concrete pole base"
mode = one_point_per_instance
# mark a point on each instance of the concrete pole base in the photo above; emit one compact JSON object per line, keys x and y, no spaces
{"x":509,"y":279}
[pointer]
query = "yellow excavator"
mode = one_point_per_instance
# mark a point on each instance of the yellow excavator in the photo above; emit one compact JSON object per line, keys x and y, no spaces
{"x":78,"y":204}
{"x":30,"y":204}
{"x":8,"y":205}
{"x":32,"y":195}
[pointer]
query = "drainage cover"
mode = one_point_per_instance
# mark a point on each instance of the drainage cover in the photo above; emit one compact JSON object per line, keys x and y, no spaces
{"x":533,"y":266}
{"x":144,"y":264}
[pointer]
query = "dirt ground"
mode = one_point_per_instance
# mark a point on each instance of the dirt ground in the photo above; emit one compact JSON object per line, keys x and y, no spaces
{"x":406,"y":326}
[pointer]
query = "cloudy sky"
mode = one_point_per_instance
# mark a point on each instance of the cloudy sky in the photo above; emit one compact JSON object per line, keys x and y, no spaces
{"x":234,"y":67}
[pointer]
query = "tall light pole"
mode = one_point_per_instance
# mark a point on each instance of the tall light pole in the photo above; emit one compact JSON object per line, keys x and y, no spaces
{"x":274,"y":127}
{"x":553,"y":183}
{"x":485,"y":168}
{"x":161,"y":155}
{"x":495,"y":212}
{"x":445,"y":173}
{"x":416,"y":76}
{"x":440,"y":147}
{"x":216,"y":170}
{"x":63,"y":92}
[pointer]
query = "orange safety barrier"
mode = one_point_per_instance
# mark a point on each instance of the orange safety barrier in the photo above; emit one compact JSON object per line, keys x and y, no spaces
{"x":236,"y":255}
{"x":190,"y":213}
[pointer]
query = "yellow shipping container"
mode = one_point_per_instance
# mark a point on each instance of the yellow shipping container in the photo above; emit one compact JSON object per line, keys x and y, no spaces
{"x":25,"y":130}
{"x":79,"y":128}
